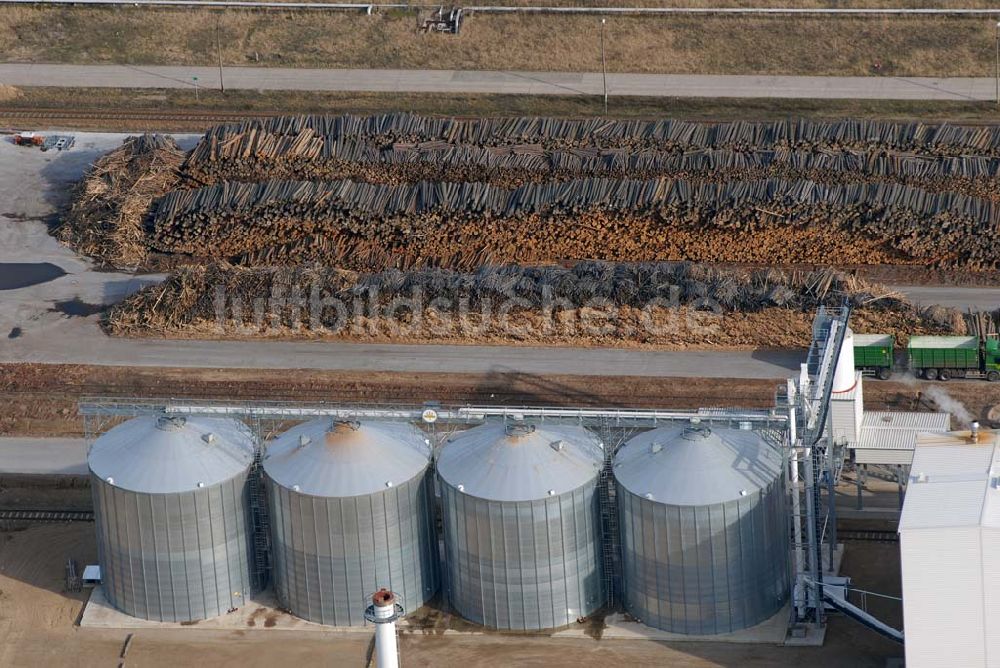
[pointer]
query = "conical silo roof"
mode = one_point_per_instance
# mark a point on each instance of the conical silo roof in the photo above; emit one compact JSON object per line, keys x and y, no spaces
{"x":696,"y":465}
{"x":166,"y":454}
{"x":333,"y":459}
{"x":517,"y":462}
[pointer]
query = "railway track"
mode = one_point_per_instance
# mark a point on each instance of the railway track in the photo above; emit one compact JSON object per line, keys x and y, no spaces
{"x":29,"y":117}
{"x":868,"y":535}
{"x":47,"y":515}
{"x":41,"y":114}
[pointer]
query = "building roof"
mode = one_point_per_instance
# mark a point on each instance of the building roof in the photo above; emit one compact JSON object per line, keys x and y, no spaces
{"x":520,"y":462}
{"x":908,"y":420}
{"x":696,"y":465}
{"x":165,"y":455}
{"x":873,"y":340}
{"x":339,"y":459}
{"x":944,"y":342}
{"x":953,"y":482}
{"x":886,"y":439}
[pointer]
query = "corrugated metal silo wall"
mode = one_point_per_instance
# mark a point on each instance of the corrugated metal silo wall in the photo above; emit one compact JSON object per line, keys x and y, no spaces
{"x":330,"y":554}
{"x":523,"y":565}
{"x":174,"y":557}
{"x":705,"y":569}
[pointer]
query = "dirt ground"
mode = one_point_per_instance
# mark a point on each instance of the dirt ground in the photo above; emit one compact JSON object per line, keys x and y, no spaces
{"x":37,"y":620}
{"x":814,"y":45}
{"x":177,"y":110}
{"x":41,"y":399}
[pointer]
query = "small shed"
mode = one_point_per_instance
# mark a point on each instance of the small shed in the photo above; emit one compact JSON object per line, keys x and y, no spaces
{"x":888,"y":437}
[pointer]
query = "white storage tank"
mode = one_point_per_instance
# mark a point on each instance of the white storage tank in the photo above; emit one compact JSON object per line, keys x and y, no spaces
{"x":522,"y":524}
{"x":704,"y":530}
{"x":170,"y":504}
{"x":351,"y":512}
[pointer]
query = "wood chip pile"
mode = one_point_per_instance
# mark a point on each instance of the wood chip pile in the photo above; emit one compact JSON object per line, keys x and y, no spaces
{"x":235,"y":301}
{"x":111,"y":203}
{"x":465,"y":225}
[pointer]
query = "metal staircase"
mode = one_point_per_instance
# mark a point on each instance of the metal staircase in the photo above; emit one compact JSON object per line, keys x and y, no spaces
{"x":259,"y":523}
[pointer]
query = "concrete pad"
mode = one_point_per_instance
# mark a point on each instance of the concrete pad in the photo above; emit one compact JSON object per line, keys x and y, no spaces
{"x":814,"y":636}
{"x":262,"y":614}
{"x":624,"y":627}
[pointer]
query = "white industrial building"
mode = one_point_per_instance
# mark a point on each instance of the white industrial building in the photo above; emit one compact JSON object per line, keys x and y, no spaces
{"x":950,"y":551}
{"x":874,"y":437}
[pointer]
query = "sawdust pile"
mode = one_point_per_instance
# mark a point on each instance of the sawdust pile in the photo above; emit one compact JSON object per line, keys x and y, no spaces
{"x":107,"y":218}
{"x":8,"y":93}
{"x":661,"y":305}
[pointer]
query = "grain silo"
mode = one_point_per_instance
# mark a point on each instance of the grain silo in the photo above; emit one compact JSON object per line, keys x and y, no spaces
{"x":522,"y":524}
{"x":351,"y":512}
{"x":170,"y":503}
{"x":703,"y":529}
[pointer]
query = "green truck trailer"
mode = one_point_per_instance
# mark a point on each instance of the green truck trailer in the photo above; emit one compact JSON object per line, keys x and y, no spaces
{"x":946,"y":357}
{"x":873,"y":354}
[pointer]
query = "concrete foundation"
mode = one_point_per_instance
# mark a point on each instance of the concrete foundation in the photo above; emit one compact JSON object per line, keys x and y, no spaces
{"x":261,"y":613}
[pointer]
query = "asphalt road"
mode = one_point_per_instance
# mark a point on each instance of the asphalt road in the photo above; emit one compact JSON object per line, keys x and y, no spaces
{"x":61,"y":456}
{"x":86,"y":345}
{"x":946,"y":295}
{"x":520,"y":83}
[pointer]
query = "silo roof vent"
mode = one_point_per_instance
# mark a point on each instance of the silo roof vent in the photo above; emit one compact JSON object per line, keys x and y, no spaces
{"x":344,"y":426}
{"x":519,"y":429}
{"x":170,"y":422}
{"x":695,"y":433}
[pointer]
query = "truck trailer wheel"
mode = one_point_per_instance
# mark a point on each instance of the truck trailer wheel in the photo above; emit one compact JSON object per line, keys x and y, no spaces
{"x":883,"y":373}
{"x":993,"y":376}
{"x":930,"y":374}
{"x":944,"y":374}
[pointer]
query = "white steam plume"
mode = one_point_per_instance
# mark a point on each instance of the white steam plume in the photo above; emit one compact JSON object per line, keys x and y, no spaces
{"x":949,"y":404}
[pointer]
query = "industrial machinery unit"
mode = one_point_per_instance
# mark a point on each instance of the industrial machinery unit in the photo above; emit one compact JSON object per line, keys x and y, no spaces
{"x":703,"y":528}
{"x":946,"y":357}
{"x":350,"y":513}
{"x":170,"y":505}
{"x":522,"y":524}
{"x":873,"y":354}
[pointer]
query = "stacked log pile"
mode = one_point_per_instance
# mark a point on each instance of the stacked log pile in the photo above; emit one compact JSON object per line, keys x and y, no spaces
{"x":984,"y":324}
{"x":110,"y":204}
{"x":465,"y":225}
{"x":259,"y":156}
{"x":665,"y":134}
{"x":407,"y":191}
{"x":223,"y":300}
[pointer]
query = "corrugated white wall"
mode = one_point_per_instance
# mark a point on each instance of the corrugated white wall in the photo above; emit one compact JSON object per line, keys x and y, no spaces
{"x":883,"y":456}
{"x":845,"y":420}
{"x":991,"y":594}
{"x":943,"y":597}
{"x":859,"y":407}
